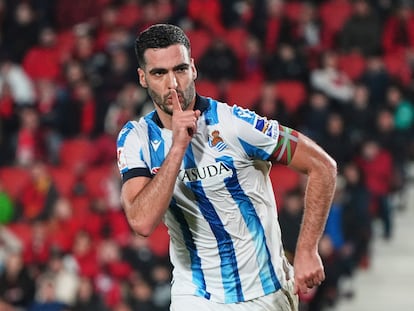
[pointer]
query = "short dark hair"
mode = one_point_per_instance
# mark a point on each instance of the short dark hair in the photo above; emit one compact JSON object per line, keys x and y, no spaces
{"x":159,"y":36}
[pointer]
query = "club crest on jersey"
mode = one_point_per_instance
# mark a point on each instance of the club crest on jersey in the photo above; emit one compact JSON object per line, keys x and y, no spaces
{"x":216,"y":142}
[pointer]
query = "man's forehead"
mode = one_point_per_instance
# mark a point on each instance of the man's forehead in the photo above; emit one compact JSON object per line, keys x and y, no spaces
{"x":168,"y":57}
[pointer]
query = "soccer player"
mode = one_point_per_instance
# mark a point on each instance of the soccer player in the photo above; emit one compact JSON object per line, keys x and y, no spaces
{"x":202,"y":166}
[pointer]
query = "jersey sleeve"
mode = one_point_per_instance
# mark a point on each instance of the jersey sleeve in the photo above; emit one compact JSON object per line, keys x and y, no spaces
{"x":264,"y":139}
{"x":129,"y":153}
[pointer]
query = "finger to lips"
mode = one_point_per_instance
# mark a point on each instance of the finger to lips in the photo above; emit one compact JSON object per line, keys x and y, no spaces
{"x":175,"y":102}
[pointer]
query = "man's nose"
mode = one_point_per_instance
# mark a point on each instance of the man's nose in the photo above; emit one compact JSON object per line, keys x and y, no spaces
{"x":172,"y":81}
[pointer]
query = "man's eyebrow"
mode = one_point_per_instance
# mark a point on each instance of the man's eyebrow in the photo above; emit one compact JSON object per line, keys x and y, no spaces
{"x":164,"y":70}
{"x":158,"y":70}
{"x":181,"y":66}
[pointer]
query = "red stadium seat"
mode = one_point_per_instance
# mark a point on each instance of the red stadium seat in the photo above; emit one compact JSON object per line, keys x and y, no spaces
{"x":243,"y":93}
{"x":333,"y":14}
{"x":95,"y":179}
{"x":74,"y":152}
{"x":200,"y":41}
{"x":293,"y":94}
{"x":64,"y":179}
{"x":283,"y":179}
{"x":397,"y":67}
{"x":353,"y":64}
{"x":14,"y":179}
{"x":208,"y":88}
{"x":236,"y":39}
{"x":293,"y":10}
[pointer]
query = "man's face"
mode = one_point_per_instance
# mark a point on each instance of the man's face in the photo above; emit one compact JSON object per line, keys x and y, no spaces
{"x":166,"y":69}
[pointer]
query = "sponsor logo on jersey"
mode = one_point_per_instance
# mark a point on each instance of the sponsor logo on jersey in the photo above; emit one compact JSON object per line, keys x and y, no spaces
{"x":265,"y":126}
{"x":216,"y":142}
{"x":217,"y":170}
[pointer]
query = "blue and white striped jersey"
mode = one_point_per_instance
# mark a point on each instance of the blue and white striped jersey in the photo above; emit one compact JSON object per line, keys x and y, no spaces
{"x":225,"y":238}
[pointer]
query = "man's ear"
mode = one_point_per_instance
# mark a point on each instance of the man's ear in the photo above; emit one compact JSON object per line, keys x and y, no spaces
{"x":141,"y":76}
{"x":193,"y":69}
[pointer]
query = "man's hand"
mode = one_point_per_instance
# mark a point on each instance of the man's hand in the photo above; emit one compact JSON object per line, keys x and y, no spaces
{"x":184,"y":123}
{"x":308,"y":271}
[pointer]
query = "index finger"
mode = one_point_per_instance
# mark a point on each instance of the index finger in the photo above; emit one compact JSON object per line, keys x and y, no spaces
{"x":175,"y":102}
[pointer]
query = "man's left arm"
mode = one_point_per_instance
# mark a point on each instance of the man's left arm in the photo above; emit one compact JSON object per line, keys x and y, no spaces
{"x":304,"y":155}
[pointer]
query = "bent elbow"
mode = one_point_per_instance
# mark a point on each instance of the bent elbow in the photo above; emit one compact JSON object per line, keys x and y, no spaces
{"x":331,"y":167}
{"x":141,"y":228}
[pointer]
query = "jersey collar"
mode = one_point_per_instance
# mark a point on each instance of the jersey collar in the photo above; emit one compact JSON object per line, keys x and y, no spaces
{"x":201,"y":104}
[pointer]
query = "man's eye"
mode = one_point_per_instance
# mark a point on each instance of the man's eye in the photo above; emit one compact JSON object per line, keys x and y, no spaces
{"x":181,"y":69}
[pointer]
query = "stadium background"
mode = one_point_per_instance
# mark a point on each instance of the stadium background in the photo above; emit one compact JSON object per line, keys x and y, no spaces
{"x":340,"y":71}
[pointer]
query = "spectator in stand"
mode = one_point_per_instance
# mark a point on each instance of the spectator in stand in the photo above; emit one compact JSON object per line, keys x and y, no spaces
{"x":20,"y":85}
{"x":359,"y":115}
{"x":219,"y":62}
{"x":87,"y":298}
{"x":85,"y":51}
{"x":402,"y":108}
{"x":398,"y":32}
{"x":308,"y":33}
{"x":63,"y":226}
{"x":30,"y":140}
{"x":84,"y":254}
{"x":335,"y":139}
{"x":21,"y":30}
{"x":17,"y":286}
{"x":313,"y":116}
{"x":290,"y":218}
{"x":141,"y":295}
{"x":377,"y":167}
{"x":270,"y":105}
{"x":270,"y":25}
{"x":79,"y":112}
{"x":362,"y":31}
{"x":286,"y":64}
{"x":118,"y":75}
{"x":376,"y":78}
{"x":37,"y":251}
{"x":161,"y":276}
{"x":329,"y":79}
{"x":251,"y":62}
{"x":356,"y":215}
{"x":65,"y":279}
{"x":46,"y":296}
{"x":38,"y":195}
{"x":9,"y":244}
{"x":46,"y":50}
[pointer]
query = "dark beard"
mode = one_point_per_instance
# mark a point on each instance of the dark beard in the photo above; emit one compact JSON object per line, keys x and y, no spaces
{"x":161,"y":101}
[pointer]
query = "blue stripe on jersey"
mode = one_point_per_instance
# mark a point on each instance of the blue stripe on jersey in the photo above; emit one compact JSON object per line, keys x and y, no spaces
{"x":155,"y":145}
{"x":253,"y":151}
{"x":210,"y":114}
{"x":267,"y":274}
{"x":229,"y":269}
{"x":124,"y":133}
{"x":198,"y":275}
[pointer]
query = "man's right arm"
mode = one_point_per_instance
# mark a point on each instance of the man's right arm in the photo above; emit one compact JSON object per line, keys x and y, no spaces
{"x":145,"y":200}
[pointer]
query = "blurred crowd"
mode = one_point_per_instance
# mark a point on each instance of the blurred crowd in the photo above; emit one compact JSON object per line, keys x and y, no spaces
{"x":340,"y":71}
